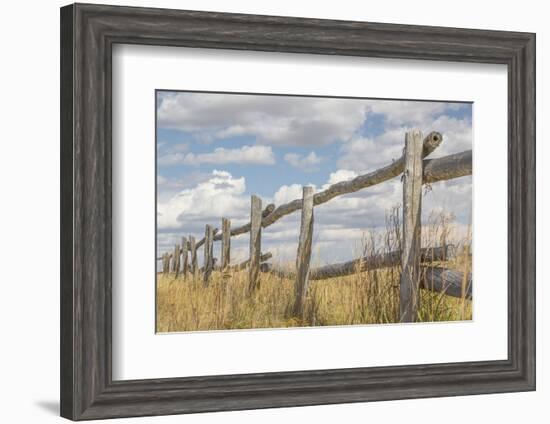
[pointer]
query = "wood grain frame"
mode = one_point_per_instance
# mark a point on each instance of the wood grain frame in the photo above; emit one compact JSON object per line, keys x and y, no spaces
{"x":88,"y":33}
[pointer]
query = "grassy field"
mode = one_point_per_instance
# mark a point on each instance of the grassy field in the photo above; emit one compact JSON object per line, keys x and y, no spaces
{"x":370,"y":297}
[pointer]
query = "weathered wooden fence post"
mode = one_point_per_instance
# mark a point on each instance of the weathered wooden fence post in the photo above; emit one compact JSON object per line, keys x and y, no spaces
{"x":412,"y":201}
{"x":176,"y":263}
{"x":165,"y":263}
{"x":184,"y":249}
{"x":208,"y":253}
{"x":226,"y":243}
{"x":193,"y":251}
{"x":255,"y":242}
{"x":304,"y":252}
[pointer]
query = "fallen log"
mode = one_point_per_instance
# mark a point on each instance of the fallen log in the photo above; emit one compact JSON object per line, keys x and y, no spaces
{"x":436,"y":279}
{"x":366,"y":263}
{"x":447,"y":281}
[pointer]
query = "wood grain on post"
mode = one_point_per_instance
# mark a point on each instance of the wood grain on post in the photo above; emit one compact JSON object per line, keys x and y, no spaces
{"x":184,"y":257}
{"x":208,"y":254}
{"x":412,"y":206}
{"x":176,"y":263}
{"x":173,"y":263}
{"x":226,"y":243}
{"x":202,"y":240}
{"x":255,"y":242}
{"x":304,"y":252}
{"x":165,"y":263}
{"x":193,"y":254}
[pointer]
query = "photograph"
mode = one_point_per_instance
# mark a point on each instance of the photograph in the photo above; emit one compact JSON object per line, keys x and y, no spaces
{"x":281,"y":210}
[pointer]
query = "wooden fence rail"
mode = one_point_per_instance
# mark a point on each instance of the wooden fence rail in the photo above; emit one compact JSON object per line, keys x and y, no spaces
{"x":440,"y":169}
{"x":437,"y":279}
{"x":434,"y":170}
{"x":366,"y":263}
{"x":416,"y":171}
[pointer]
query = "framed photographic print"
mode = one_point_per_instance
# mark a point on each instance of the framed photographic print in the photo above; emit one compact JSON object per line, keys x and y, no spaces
{"x":291,"y":211}
{"x":223,"y":156}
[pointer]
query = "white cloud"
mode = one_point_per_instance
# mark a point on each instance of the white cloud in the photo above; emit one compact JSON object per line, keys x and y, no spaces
{"x":246,"y":155}
{"x":271,"y":120}
{"x":305,"y":163}
{"x":457,"y":135}
{"x":407,"y":113}
{"x":364,"y":154}
{"x":287,"y":193}
{"x":167,"y":187}
{"x":221,"y":195}
{"x":339,"y":176}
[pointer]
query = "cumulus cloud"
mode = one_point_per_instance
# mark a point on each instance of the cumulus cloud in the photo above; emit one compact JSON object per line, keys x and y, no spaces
{"x":307,"y":163}
{"x":245,"y":155}
{"x":363,"y":154}
{"x":271,"y":120}
{"x":167,"y":187}
{"x":220,"y":195}
{"x":457,"y":135}
{"x":287,"y":193}
{"x":339,"y":176}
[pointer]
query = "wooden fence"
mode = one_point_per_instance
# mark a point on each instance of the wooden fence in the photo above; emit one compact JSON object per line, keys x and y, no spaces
{"x":415,"y":170}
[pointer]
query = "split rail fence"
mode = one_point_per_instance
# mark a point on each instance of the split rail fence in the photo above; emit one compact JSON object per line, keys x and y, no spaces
{"x":415,"y":169}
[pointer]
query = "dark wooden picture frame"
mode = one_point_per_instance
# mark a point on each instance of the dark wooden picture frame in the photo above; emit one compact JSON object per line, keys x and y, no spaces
{"x":88,"y":33}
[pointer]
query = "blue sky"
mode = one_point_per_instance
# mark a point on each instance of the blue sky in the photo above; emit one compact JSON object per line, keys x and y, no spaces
{"x":216,"y":149}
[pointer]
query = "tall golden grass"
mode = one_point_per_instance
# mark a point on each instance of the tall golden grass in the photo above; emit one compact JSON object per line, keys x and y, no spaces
{"x":370,"y":297}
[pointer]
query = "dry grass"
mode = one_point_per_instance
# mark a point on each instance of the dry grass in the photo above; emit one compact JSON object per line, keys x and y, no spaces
{"x":370,"y":297}
{"x":367,"y":298}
